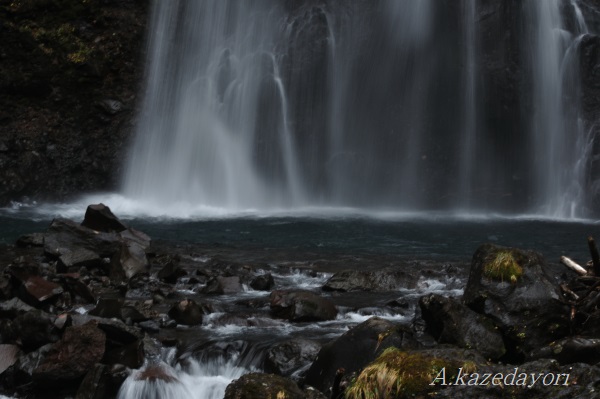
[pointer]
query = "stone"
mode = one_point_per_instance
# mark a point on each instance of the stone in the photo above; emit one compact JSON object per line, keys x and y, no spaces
{"x":128,"y":262}
{"x":371,"y":280}
{"x":31,"y":240}
{"x":135,"y":236}
{"x":8,"y":356}
{"x":14,"y":307}
{"x":107,"y":308}
{"x":355,"y":349}
{"x":94,"y":385}
{"x":263,"y":282}
{"x":77,"y":257}
{"x":261,"y":386}
{"x":131,"y":355}
{"x":170,"y":271}
{"x":65,"y":236}
{"x":35,"y":329}
{"x":186,"y":312}
{"x":449,"y":321}
{"x":570,"y":350}
{"x":36,"y":289}
{"x":301,"y":305}
{"x":116,"y":331}
{"x":527,"y":308}
{"x":80,"y":348}
{"x":286,"y":357}
{"x":223,"y":285}
{"x":100,"y":218}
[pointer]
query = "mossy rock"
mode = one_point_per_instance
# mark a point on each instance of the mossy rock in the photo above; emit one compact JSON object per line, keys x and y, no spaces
{"x":399,"y":374}
{"x":263,"y":386}
{"x":503,"y":265}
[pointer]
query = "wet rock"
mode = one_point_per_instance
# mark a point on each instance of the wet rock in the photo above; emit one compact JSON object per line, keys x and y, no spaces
{"x":289,"y":356}
{"x":264,"y":282}
{"x":78,"y":256}
{"x":31,"y":240}
{"x":26,"y":364}
{"x":131,"y":313}
{"x":100,"y":218}
{"x":186,"y":312}
{"x":128,"y":262}
{"x":223,"y":285}
{"x":80,"y":348}
{"x":169,"y":271}
{"x":131,"y":355}
{"x":355,"y":349}
{"x":8,"y":356}
{"x":370,"y":280}
{"x":14,"y":307}
{"x":149,"y":326}
{"x":135,"y":236}
{"x":448,"y":321}
{"x":301,"y":305}
{"x":107,"y":308}
{"x":94,"y":385}
{"x":36,"y":290}
{"x":511,"y":287}
{"x":65,"y":236}
{"x":116,"y":331}
{"x":34,"y":329}
{"x":570,"y":350}
{"x":261,"y":386}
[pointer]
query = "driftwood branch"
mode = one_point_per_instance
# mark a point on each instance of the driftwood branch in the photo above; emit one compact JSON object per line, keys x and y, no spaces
{"x":595,"y":255}
{"x":573,"y":266}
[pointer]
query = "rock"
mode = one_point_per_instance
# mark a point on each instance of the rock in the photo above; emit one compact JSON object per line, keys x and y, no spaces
{"x":186,"y":312}
{"x":289,"y":356}
{"x":80,"y":348}
{"x":36,"y":289}
{"x":131,"y":313}
{"x":448,"y":321}
{"x":116,"y":331}
{"x":170,"y":271}
{"x":31,"y":240}
{"x":25,"y":364}
{"x":131,"y":355}
{"x":301,"y":305}
{"x":138,"y":237}
{"x":261,"y":386}
{"x":100,"y":218}
{"x":128,"y":262}
{"x":223,"y":285}
{"x":14,"y":307}
{"x":107,"y":308}
{"x":65,"y":236}
{"x":149,"y":326}
{"x":511,"y":287}
{"x":570,"y":350}
{"x":6,"y":288}
{"x":78,"y":288}
{"x":94,"y":385}
{"x":160,"y":381}
{"x":110,"y":106}
{"x":355,"y":349}
{"x":370,"y":280}
{"x":78,"y":256}
{"x":8,"y":356}
{"x":34,"y":329}
{"x":264,"y":282}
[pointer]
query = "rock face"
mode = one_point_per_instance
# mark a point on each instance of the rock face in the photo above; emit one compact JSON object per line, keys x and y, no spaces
{"x":527,"y":308}
{"x":300,"y":305}
{"x":65,"y":58}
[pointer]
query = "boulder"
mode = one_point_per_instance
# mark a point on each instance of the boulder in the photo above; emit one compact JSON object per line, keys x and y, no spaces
{"x":107,"y":308}
{"x":263,"y":282}
{"x":289,"y":356}
{"x":355,"y":349}
{"x":79,"y":256}
{"x":26,"y":364}
{"x":449,"y":321}
{"x":223,"y":285}
{"x":130,"y":260}
{"x":35,"y":329}
{"x":512,"y":287}
{"x":31,"y":240}
{"x":8,"y":356}
{"x":138,"y":237}
{"x":94,"y":385}
{"x":570,"y":350}
{"x":36,"y":290}
{"x":116,"y":331}
{"x":100,"y":218}
{"x":14,"y":307}
{"x":371,"y":280}
{"x":301,"y":305}
{"x":169,"y":271}
{"x":186,"y":312}
{"x":131,"y":355}
{"x":80,"y":348}
{"x":65,"y":236}
{"x":261,"y":386}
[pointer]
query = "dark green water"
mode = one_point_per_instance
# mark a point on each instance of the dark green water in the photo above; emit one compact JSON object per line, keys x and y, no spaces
{"x":422,"y":238}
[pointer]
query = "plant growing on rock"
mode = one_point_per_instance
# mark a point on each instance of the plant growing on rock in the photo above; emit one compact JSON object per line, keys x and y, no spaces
{"x":503,"y":266}
{"x":398,"y":374}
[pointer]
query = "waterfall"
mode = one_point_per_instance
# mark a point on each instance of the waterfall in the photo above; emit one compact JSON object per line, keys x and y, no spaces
{"x":369,"y":104}
{"x":560,"y":145}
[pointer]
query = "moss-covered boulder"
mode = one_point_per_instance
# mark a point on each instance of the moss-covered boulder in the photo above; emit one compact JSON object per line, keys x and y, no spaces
{"x":263,"y":386}
{"x":513,"y":288}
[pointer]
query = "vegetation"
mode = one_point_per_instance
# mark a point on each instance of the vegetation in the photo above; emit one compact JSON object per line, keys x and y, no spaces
{"x":503,"y":266}
{"x":398,"y":374}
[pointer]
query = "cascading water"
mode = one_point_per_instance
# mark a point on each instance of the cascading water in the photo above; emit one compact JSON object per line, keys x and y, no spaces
{"x":384,"y":104}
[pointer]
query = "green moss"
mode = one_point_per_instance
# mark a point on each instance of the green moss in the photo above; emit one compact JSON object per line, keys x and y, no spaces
{"x":398,"y":374}
{"x":503,"y":266}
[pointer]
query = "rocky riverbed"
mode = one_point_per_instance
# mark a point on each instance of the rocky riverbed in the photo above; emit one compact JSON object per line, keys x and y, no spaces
{"x":97,"y":310}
